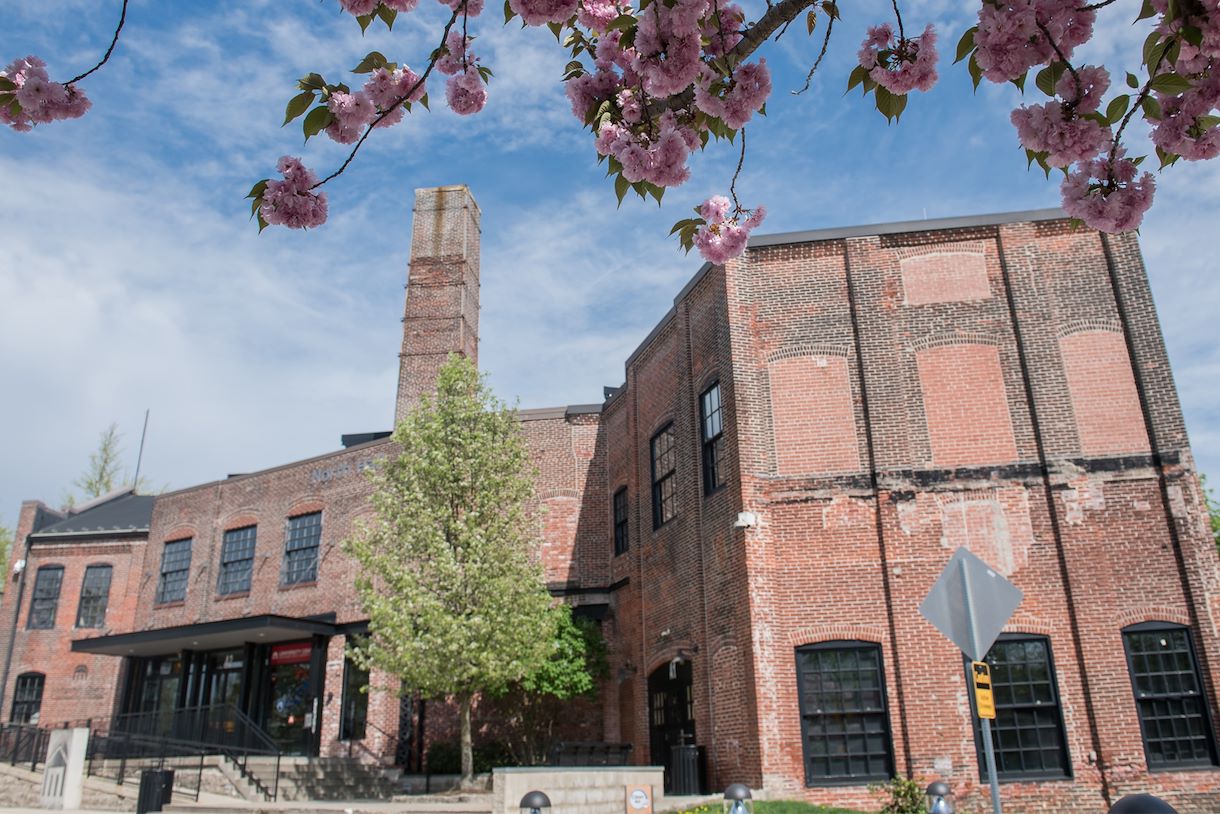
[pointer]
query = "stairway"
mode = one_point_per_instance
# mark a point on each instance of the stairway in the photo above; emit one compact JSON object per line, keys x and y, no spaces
{"x":325,"y":778}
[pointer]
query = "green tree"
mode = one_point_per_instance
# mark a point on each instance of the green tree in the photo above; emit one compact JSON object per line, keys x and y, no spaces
{"x":1213,"y":509}
{"x":449,"y":571}
{"x":530,"y":708}
{"x":100,"y":477}
{"x":6,"y":547}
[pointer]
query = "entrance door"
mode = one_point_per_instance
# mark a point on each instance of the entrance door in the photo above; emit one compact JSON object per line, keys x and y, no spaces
{"x":671,"y":714}
{"x":289,"y":713}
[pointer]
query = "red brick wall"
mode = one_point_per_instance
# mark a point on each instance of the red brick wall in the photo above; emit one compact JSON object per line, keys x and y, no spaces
{"x":965,"y":405}
{"x":813,"y":415}
{"x":1104,"y":399}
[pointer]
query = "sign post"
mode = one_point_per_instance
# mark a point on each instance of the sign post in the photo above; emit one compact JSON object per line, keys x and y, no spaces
{"x":970,"y":603}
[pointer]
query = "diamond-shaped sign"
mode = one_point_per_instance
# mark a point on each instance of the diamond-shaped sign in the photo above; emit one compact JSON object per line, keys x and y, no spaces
{"x":970,"y":603}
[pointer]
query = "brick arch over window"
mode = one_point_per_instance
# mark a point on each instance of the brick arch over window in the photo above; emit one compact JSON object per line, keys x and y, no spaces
{"x":945,"y":276}
{"x":965,"y":403}
{"x":1109,"y":420}
{"x":813,"y":414}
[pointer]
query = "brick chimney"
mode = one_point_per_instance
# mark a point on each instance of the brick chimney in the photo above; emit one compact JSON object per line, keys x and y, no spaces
{"x":442,"y":309}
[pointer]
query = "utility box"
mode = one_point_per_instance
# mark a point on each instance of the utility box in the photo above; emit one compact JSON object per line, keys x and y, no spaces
{"x":156,"y":790}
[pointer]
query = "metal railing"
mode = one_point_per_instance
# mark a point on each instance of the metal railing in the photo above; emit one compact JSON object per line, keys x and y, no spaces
{"x":220,"y":729}
{"x":23,"y":743}
{"x":389,"y":745}
{"x":120,"y":756}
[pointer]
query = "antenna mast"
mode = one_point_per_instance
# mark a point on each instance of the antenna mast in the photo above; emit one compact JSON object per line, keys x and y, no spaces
{"x":135,"y":482}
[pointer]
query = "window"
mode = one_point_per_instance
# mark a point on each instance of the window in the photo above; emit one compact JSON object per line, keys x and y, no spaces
{"x":45,"y":601}
{"x":27,"y":698}
{"x":844,"y":725}
{"x":1028,"y":728}
{"x":94,"y":596}
{"x":175,"y":568}
{"x":711,"y":433}
{"x":236,"y":560}
{"x":352,"y":723}
{"x":1168,"y":695}
{"x":301,"y":548}
{"x":620,"y":522}
{"x":664,"y":464}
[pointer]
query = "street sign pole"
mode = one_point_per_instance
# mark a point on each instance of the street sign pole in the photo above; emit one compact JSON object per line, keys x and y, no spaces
{"x":980,"y":652}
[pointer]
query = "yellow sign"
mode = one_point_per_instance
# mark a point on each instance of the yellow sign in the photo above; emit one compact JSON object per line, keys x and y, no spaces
{"x":984,"y":702}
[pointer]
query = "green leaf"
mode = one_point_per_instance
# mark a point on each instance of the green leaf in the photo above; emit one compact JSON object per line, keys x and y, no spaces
{"x":574,"y":65}
{"x":423,"y":100}
{"x":316,"y":121}
{"x":891,"y":105}
{"x":557,"y":30}
{"x":858,"y":75}
{"x":486,"y":74}
{"x":365,"y":20}
{"x":1049,"y":77}
{"x":312,"y":81}
{"x":7,"y":84}
{"x":1147,"y":10}
{"x":1133,"y":81}
{"x":1170,"y":83}
{"x":655,"y":191}
{"x":1152,"y":108}
{"x":1207,"y":122}
{"x":976,"y":73}
{"x":387,"y":15}
{"x":1019,"y":82}
{"x":508,"y":11}
{"x":257,"y":190}
{"x":1117,"y":108}
{"x":297,"y":105}
{"x":621,"y":23}
{"x":262,"y":224}
{"x":1155,"y":49}
{"x":373,"y":61}
{"x":621,"y":185}
{"x":966,"y":44}
{"x":831,"y":8}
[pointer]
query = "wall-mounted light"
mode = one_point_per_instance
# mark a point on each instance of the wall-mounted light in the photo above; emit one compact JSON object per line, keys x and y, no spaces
{"x":746,"y":520}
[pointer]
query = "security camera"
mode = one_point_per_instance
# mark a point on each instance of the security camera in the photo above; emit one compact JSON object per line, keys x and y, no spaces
{"x":745,"y":520}
{"x":18,"y":566}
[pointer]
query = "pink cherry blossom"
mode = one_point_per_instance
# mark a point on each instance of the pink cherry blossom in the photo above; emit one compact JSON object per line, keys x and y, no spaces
{"x":745,"y":92}
{"x":457,"y":54}
{"x":386,"y":87}
{"x":352,"y":113}
{"x":667,"y":44}
{"x":1051,"y":128}
{"x":595,"y":15}
{"x":722,"y":30}
{"x":541,"y":12}
{"x":466,"y":93}
{"x":900,"y":65}
{"x":290,"y":202}
{"x":588,"y":90}
{"x":1180,"y":130}
{"x":1094,"y":82}
{"x":472,"y":8}
{"x":359,"y":8}
{"x":400,"y":5}
{"x":722,"y":238}
{"x":39,"y":100}
{"x":1010,"y":41}
{"x":1108,"y":197}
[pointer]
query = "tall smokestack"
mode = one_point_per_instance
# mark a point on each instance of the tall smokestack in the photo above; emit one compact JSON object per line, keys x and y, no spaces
{"x":442,"y":309}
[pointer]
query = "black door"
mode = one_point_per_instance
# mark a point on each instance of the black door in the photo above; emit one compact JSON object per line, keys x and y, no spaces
{"x":671,"y":714}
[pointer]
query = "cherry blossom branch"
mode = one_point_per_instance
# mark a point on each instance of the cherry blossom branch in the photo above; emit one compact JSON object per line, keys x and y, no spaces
{"x":821,"y":54}
{"x":1064,"y":60}
{"x":109,"y":51}
{"x":898,"y":14}
{"x":369,"y":129}
{"x":1139,"y":101}
{"x":740,"y":161}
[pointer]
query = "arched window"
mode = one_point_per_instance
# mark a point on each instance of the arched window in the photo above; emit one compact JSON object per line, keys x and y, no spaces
{"x":27,"y":698}
{"x":94,"y":596}
{"x":845,"y":727}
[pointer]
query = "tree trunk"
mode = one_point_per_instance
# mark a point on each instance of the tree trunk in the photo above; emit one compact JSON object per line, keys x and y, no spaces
{"x":464,"y":704}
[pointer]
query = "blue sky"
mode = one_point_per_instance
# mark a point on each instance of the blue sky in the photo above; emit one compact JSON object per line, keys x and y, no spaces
{"x":130,"y":277}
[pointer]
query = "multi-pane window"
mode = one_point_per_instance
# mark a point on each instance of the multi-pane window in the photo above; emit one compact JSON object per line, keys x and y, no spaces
{"x":27,"y":698}
{"x":237,"y":560}
{"x":175,"y":570}
{"x":711,"y":433}
{"x":664,"y":465}
{"x":1028,"y":728}
{"x":620,"y":522}
{"x":1168,"y":694}
{"x":354,"y":718}
{"x":94,"y":596}
{"x":844,"y":725}
{"x":45,"y":601}
{"x":301,"y":543}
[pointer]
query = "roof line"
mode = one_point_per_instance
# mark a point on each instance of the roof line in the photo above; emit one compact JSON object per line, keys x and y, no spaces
{"x":113,"y":494}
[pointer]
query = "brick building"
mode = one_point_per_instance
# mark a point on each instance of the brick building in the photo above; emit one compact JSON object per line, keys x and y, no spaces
{"x":754,"y":516}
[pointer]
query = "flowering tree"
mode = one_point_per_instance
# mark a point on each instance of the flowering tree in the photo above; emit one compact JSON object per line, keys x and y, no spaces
{"x":655,"y":80}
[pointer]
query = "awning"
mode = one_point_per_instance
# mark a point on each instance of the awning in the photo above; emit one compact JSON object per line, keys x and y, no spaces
{"x":219,"y":635}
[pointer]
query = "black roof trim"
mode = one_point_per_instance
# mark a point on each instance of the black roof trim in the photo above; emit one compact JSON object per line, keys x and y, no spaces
{"x":118,"y":643}
{"x":128,"y":513}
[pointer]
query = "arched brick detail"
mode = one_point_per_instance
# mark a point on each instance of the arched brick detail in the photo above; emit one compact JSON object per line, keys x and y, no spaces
{"x":815,"y":634}
{"x":306,"y":505}
{"x":1151,"y":613}
{"x":813,"y":414}
{"x":240,"y":520}
{"x":181,"y":533}
{"x":945,"y":276}
{"x":1109,"y":420}
{"x":1029,"y":623}
{"x":965,"y":405}
{"x":809,"y":349}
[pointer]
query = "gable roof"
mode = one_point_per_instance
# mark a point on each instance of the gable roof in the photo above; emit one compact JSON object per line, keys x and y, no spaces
{"x":122,"y":512}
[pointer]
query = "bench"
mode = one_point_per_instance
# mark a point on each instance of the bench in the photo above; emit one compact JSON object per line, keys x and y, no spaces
{"x":590,"y":753}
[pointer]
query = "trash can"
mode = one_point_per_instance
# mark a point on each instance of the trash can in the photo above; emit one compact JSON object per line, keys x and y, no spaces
{"x":156,"y":790}
{"x":684,"y":763}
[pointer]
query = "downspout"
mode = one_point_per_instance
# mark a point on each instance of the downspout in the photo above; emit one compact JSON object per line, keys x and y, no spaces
{"x":12,"y":633}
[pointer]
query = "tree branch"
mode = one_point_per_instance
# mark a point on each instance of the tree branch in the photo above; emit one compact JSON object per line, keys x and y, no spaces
{"x":821,"y":54}
{"x":741,"y":160}
{"x":113,"y":42}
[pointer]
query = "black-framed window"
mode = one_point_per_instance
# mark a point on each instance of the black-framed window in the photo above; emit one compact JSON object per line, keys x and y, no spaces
{"x":354,"y":719}
{"x":621,"y":542}
{"x":664,"y":466}
{"x":237,"y":560}
{"x":175,"y":571}
{"x":94,"y":596}
{"x":27,"y":698}
{"x":1168,"y":695}
{"x":711,"y":434}
{"x":1027,"y":732}
{"x":45,"y":601}
{"x":301,"y":542}
{"x":845,"y":731}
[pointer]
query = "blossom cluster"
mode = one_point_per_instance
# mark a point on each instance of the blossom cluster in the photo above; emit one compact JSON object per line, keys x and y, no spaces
{"x":1187,"y":125}
{"x":291,"y":202}
{"x":898,"y":64}
{"x":1107,"y":195}
{"x":29,"y":97}
{"x":1061,"y":128}
{"x":465,"y":90}
{"x":723,"y":236}
{"x":1015,"y":35}
{"x":353,"y":111}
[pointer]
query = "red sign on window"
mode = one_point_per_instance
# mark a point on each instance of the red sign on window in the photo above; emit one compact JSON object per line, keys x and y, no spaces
{"x":294,"y":653}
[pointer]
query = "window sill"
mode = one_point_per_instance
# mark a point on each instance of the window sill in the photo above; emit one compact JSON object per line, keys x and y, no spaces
{"x":828,"y":782}
{"x":296,"y":585}
{"x":714,"y":492}
{"x":234,"y":595}
{"x":173,"y":603}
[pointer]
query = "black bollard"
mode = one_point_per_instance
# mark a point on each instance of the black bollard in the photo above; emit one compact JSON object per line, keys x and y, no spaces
{"x":1142,"y":804}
